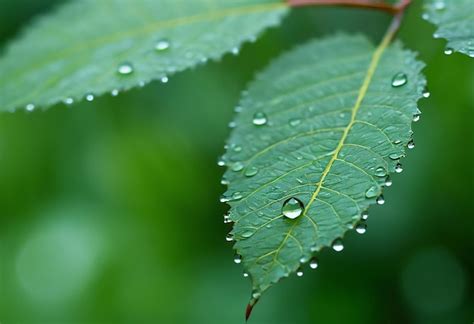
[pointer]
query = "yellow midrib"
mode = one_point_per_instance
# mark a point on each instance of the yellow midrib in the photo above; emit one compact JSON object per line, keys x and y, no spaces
{"x":362,"y":92}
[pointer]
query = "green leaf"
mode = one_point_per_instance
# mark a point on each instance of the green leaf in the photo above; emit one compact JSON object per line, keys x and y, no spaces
{"x":79,"y":49}
{"x":325,"y":124}
{"x":455,"y":21}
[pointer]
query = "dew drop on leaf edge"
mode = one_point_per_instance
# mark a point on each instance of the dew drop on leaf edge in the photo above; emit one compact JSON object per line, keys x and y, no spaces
{"x":337,"y":245}
{"x":361,"y":228}
{"x":292,"y":208}
{"x":313,"y":264}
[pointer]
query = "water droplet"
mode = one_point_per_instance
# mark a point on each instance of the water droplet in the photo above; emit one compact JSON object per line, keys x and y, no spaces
{"x":250,"y":171}
{"x":448,"y":51}
{"x":232,"y":124}
{"x":221,"y":163}
{"x":365,"y":215}
{"x":236,"y":196}
{"x":380,"y":172}
{"x":337,"y":245}
{"x":372,"y":192}
{"x":247,"y":234}
{"x":237,"y":148}
{"x":125,"y":68}
{"x":313,"y":264}
{"x":164,"y":79}
{"x":426,"y":93}
{"x":90,"y":97}
{"x":245,"y":274}
{"x":237,"y":259}
{"x":439,"y":5}
{"x":115,"y":92}
{"x":396,"y":142}
{"x":259,"y":119}
{"x":30,"y":107}
{"x":399,"y":79}
{"x":292,"y":208}
{"x":294,"y":122}
{"x":416,"y":117}
{"x":235,"y":50}
{"x":411,"y":145}
{"x":227,"y":219}
{"x":361,"y":228}
{"x":380,"y":200}
{"x":398,"y":168}
{"x":388,"y":182}
{"x":237,"y":166}
{"x":162,"y":45}
{"x":395,"y":156}
{"x":299,"y":272}
{"x":68,"y":101}
{"x":141,"y":84}
{"x":229,"y":237}
{"x":425,"y":16}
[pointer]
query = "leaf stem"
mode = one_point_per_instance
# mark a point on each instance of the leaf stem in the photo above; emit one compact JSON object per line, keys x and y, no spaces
{"x":369,"y":4}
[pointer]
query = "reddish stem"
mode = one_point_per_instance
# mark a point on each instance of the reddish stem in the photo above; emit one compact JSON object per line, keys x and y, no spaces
{"x":369,"y":4}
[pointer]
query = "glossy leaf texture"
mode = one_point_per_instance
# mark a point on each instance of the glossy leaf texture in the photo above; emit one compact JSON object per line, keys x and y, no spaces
{"x":455,"y":22}
{"x":316,"y":136}
{"x":89,"y":47}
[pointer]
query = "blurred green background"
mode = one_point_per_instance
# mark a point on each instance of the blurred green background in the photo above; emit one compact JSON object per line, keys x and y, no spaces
{"x":109,"y":210}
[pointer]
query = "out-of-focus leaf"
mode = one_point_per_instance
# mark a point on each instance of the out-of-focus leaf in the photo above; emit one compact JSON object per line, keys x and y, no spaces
{"x":90,"y":47}
{"x":324,"y":125}
{"x":455,"y":21}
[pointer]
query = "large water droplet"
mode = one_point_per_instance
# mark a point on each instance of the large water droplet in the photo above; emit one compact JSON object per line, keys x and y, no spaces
{"x":30,"y":107}
{"x":399,"y":79}
{"x":235,"y":50}
{"x":164,"y":79}
{"x":250,"y":171}
{"x":337,"y":245}
{"x":395,"y":156}
{"x":388,"y":182}
{"x":125,"y":68}
{"x":426,"y":93}
{"x":292,"y":208}
{"x":372,"y":192}
{"x":245,"y":274}
{"x":259,"y":119}
{"x":411,"y":145}
{"x":313,"y":264}
{"x":247,"y":234}
{"x":398,"y":168}
{"x":237,"y":259}
{"x":115,"y":92}
{"x":237,"y":166}
{"x":229,"y":237}
{"x":361,"y":228}
{"x":380,"y":200}
{"x":162,"y":45}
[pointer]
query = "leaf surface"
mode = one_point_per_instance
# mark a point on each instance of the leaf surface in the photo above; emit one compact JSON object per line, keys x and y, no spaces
{"x":455,"y":22}
{"x":324,"y":125}
{"x":79,"y":49}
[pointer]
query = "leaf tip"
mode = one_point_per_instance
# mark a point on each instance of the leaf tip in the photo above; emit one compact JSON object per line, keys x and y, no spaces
{"x":248,"y":310}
